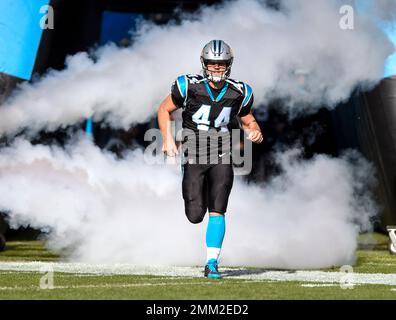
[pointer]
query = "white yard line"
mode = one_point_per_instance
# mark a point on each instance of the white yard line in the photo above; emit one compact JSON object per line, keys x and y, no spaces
{"x":313,"y":285}
{"x":197,"y":272}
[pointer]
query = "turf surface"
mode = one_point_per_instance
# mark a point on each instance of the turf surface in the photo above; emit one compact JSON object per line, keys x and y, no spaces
{"x":372,"y":257}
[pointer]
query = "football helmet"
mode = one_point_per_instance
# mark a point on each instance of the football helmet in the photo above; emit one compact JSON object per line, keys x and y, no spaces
{"x":217,"y":51}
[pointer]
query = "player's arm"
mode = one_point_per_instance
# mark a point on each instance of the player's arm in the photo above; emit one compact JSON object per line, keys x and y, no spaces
{"x":164,"y":121}
{"x":247,"y":120}
{"x":251,"y":127}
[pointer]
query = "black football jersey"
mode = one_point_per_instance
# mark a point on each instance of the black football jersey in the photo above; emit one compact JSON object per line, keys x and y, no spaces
{"x":207,"y":114}
{"x":206,"y":108}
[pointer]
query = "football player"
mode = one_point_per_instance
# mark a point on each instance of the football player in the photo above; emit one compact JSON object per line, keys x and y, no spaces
{"x":209,"y":103}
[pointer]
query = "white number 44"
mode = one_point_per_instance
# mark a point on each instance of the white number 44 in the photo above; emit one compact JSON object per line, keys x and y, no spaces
{"x":201,"y":118}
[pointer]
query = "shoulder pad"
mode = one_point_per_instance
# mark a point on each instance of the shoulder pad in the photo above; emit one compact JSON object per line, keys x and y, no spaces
{"x":248,"y":94}
{"x":194,"y":78}
{"x":239,"y":85}
{"x":182,"y":85}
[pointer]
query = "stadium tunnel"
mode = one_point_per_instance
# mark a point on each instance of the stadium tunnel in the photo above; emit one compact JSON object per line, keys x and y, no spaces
{"x":367,"y":122}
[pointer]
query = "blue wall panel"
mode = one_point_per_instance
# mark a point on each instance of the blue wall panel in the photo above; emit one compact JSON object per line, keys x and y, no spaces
{"x":118,"y":25}
{"x":20,"y":35}
{"x":365,"y":7}
{"x":390,"y":66}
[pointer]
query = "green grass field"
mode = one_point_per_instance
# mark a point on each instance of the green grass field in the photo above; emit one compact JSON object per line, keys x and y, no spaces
{"x":373,"y":258}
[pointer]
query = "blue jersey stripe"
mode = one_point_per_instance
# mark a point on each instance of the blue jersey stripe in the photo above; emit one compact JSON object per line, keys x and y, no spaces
{"x":248,"y":95}
{"x":182,"y":85}
{"x":221,"y":94}
{"x":209,"y":91}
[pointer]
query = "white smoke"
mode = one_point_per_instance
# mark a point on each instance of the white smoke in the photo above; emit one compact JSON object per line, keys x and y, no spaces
{"x":300,"y":53}
{"x":96,"y":208}
{"x":105,"y":210}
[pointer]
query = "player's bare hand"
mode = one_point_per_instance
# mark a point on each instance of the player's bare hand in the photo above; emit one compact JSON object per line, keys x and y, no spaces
{"x":255,"y":136}
{"x":170,"y":149}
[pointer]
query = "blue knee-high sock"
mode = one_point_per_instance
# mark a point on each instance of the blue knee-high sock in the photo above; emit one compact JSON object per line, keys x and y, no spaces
{"x":214,"y":236}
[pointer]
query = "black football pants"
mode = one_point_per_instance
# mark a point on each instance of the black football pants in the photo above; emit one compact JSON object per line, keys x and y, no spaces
{"x":206,"y":186}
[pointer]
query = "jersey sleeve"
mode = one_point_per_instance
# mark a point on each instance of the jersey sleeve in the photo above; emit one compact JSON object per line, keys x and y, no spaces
{"x":247,"y":103}
{"x":179,"y":91}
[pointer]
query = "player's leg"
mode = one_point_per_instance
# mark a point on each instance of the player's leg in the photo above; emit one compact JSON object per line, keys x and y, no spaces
{"x":220,"y":181}
{"x":195,"y":192}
